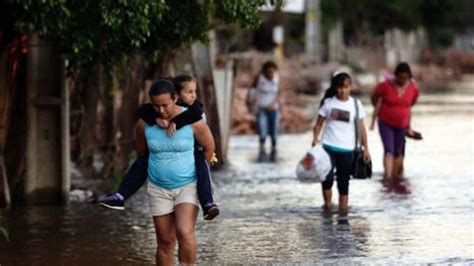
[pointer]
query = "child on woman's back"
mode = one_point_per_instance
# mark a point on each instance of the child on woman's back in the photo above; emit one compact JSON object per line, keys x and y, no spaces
{"x":186,"y":88}
{"x":136,"y":176}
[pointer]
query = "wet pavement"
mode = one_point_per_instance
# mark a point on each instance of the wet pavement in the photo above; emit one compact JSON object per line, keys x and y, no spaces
{"x":268,"y":216}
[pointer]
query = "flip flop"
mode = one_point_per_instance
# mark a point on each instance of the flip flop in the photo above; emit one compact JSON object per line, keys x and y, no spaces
{"x":415,"y":135}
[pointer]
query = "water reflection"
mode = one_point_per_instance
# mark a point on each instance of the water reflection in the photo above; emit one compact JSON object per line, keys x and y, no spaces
{"x":269,"y":217}
{"x":77,"y":234}
{"x":336,"y":238}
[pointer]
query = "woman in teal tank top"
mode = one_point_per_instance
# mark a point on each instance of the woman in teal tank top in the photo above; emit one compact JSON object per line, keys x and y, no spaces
{"x":171,"y":163}
{"x":171,"y":176}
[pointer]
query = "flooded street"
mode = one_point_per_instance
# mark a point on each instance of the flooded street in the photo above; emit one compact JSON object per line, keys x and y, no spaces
{"x":268,"y":216}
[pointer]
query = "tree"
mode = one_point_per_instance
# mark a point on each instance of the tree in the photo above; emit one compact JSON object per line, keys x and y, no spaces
{"x":441,"y":18}
{"x":89,"y":32}
{"x":113,"y":46}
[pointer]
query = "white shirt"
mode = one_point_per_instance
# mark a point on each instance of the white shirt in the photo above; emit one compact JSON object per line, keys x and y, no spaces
{"x":267,"y":90}
{"x":339,"y":130}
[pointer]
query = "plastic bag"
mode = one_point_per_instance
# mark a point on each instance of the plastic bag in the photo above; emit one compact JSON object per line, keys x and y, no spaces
{"x":315,"y":165}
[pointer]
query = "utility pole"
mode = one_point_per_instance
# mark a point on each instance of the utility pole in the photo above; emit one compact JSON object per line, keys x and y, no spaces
{"x":278,"y":33}
{"x":313,"y":31}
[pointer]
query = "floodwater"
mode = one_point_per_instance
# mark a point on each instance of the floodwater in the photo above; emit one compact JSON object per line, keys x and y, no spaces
{"x":268,"y":216}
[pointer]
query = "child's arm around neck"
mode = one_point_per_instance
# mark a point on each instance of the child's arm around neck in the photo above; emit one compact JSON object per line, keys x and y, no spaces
{"x":147,"y":114}
{"x":190,"y":116}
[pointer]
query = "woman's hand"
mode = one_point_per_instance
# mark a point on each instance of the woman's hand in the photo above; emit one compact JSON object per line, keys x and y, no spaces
{"x":171,"y":130}
{"x":372,"y":125}
{"x":213,"y":159}
{"x":366,"y":156}
{"x":272,"y":106}
{"x":162,"y":123}
{"x":314,"y":142}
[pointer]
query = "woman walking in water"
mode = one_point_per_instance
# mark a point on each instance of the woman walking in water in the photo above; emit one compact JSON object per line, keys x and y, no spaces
{"x":268,"y":101}
{"x":395,"y":98}
{"x":172,"y":177}
{"x":337,"y":113}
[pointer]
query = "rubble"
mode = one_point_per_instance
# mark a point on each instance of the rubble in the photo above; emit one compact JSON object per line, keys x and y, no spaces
{"x":304,"y":83}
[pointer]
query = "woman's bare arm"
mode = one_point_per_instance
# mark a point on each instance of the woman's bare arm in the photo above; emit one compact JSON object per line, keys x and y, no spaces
{"x":317,"y":129}
{"x":375,"y":113}
{"x":365,"y":144}
{"x":375,"y":98}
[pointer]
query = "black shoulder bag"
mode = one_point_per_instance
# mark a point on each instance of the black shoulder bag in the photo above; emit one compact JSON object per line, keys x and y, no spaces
{"x":361,"y":169}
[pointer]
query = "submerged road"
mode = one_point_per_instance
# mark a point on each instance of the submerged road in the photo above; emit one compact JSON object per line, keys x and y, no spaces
{"x":268,"y":216}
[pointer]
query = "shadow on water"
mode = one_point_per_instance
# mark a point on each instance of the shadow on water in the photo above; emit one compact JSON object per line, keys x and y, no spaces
{"x":341,"y":237}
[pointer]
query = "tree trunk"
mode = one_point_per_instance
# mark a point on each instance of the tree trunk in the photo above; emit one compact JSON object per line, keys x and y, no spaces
{"x":125,"y":107}
{"x":87,"y":134}
{"x":104,"y":127}
{"x":76,"y":85}
{"x":15,"y":72}
{"x":163,"y":68}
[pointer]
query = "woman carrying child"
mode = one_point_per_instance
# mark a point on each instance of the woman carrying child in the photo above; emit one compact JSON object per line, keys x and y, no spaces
{"x":136,"y":176}
{"x":172,"y":177}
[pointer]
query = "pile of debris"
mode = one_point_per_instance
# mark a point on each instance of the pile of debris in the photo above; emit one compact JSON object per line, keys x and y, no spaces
{"x":303,"y":85}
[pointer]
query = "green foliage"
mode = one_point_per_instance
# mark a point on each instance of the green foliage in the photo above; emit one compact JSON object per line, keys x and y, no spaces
{"x":442,"y":36}
{"x":441,"y":18}
{"x":182,"y":23}
{"x":370,"y":15}
{"x":244,"y":12}
{"x":92,"y":32}
{"x":331,"y":13}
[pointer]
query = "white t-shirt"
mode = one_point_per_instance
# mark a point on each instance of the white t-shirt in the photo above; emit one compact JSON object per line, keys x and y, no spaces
{"x":339,"y":130}
{"x":267,"y":90}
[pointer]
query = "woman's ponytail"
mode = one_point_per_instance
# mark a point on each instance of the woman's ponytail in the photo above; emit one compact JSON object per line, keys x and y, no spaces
{"x":337,"y":81}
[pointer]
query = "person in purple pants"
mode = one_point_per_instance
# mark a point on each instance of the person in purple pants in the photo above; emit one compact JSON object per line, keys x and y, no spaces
{"x":395,"y":99}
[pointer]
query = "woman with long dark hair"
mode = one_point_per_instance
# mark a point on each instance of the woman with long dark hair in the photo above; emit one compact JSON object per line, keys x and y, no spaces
{"x":337,"y":113}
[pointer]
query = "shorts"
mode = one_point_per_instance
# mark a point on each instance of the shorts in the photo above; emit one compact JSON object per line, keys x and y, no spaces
{"x":163,"y":201}
{"x":393,"y":139}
